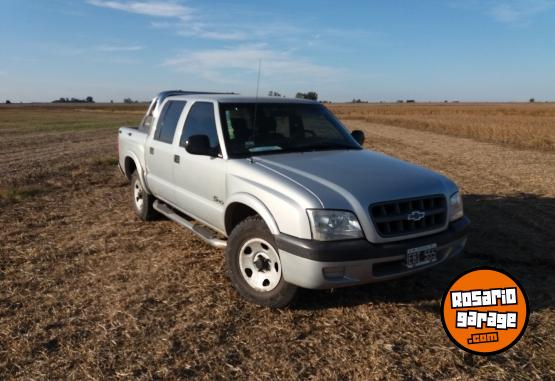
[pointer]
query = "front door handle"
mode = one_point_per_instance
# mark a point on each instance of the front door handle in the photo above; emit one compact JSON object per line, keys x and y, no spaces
{"x":176,"y":159}
{"x":151,"y":150}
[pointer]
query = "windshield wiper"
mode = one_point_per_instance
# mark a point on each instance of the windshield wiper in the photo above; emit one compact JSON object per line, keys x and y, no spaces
{"x":321,"y":147}
{"x":305,"y":148}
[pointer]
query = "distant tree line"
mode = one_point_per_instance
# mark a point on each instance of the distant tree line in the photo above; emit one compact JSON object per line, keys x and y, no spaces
{"x":88,"y":99}
{"x":312,"y":95}
{"x":309,"y":95}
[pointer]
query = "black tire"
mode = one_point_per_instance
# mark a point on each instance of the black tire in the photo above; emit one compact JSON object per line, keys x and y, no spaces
{"x":254,"y":228}
{"x":143,"y":209}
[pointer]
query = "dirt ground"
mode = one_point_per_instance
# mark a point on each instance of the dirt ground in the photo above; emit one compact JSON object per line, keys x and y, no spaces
{"x":87,"y":291}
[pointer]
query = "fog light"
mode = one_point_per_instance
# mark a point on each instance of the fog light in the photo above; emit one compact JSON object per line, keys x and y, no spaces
{"x":334,"y":272}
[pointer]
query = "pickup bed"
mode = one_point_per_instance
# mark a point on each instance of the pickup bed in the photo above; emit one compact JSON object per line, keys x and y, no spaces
{"x":289,"y":193}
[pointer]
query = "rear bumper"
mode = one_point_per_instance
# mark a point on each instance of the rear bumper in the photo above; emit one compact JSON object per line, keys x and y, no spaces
{"x":320,"y":265}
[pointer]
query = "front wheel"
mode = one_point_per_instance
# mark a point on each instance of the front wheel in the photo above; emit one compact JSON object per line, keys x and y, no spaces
{"x":254,"y":266}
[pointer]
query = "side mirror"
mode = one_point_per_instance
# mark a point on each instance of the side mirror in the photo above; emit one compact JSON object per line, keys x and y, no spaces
{"x":199,"y":145}
{"x":147,"y":122}
{"x":358,"y":135}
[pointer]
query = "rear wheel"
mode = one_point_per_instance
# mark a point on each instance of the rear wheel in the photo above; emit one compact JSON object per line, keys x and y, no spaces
{"x":254,"y":266}
{"x":142,"y":201}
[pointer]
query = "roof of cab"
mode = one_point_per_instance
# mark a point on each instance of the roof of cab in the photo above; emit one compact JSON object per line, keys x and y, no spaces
{"x":235,"y":98}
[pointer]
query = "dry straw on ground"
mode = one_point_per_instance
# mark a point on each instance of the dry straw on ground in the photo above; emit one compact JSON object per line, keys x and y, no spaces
{"x":89,"y":292}
{"x":529,"y":126}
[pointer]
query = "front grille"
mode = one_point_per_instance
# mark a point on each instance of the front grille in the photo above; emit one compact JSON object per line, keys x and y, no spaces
{"x":411,"y":216}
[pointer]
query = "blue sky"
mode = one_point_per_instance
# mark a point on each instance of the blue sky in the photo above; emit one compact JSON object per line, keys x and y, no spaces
{"x":488,"y":50}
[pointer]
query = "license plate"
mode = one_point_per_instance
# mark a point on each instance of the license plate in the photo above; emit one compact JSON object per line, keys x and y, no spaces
{"x":420,"y":256}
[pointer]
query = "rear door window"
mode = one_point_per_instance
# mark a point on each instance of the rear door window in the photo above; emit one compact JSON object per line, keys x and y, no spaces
{"x":168,"y":121}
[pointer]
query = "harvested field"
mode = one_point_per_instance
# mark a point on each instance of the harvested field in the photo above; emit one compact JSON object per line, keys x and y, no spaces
{"x":87,"y":291}
{"x":519,"y":125}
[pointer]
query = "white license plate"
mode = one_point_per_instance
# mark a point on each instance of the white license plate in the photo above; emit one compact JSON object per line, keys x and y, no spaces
{"x":420,"y":256}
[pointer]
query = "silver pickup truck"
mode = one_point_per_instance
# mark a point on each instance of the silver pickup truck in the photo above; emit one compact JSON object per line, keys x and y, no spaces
{"x":289,"y":193}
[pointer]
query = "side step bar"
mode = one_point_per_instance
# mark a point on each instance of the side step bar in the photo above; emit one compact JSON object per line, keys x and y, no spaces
{"x":204,"y":232}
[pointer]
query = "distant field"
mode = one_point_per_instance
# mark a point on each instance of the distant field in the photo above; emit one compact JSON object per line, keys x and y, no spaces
{"x":25,"y":118}
{"x":521,"y":125}
{"x":88,"y":291}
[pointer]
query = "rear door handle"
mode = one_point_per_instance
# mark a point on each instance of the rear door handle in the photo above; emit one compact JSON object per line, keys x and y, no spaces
{"x":151,"y":150}
{"x":176,"y":159}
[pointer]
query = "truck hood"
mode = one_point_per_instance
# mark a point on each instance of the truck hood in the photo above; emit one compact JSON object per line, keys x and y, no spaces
{"x":353,"y":179}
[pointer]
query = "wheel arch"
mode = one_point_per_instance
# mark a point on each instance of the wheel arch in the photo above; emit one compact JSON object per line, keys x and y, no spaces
{"x":131,"y":164}
{"x":129,"y":167}
{"x":243,"y":205}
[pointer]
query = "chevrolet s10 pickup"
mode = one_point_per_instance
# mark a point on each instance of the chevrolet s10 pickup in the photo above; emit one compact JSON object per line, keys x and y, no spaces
{"x":289,"y":192}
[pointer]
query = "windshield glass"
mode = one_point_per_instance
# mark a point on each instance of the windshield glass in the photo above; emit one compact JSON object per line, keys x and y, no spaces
{"x":280,"y":128}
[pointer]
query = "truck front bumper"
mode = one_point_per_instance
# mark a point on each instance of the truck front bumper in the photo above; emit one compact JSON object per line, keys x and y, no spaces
{"x":320,"y":265}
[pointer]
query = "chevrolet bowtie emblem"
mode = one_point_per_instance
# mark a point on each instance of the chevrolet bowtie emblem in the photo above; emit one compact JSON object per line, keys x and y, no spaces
{"x":416,"y":215}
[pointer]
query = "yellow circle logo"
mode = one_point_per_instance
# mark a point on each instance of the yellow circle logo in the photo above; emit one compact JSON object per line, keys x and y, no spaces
{"x":485,"y":311}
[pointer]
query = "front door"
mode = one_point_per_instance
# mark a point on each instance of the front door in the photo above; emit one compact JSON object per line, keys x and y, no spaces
{"x":200,"y":180}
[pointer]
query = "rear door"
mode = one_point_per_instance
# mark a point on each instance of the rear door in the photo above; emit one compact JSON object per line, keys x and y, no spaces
{"x":159,"y":155}
{"x":200,"y":180}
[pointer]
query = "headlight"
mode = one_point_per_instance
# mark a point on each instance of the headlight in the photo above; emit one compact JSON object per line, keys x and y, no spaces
{"x":333,"y":225}
{"x":455,"y":207}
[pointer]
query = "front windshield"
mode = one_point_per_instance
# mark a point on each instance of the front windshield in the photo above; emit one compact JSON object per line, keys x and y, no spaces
{"x":280,"y":128}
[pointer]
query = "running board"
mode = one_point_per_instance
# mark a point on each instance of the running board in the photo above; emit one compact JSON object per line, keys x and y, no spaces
{"x":204,"y":232}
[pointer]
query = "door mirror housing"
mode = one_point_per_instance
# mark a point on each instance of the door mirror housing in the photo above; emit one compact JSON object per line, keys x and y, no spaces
{"x":358,"y":135}
{"x":147,"y":122}
{"x":199,"y":145}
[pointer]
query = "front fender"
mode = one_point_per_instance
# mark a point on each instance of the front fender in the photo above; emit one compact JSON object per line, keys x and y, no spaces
{"x":257,"y":205}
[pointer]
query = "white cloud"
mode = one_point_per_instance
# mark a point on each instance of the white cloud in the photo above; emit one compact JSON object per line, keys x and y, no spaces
{"x":236,"y":63}
{"x":231,"y":65}
{"x":505,"y":13}
{"x":149,"y":8}
{"x":519,"y":12}
{"x":194,"y":27}
{"x":510,"y":12}
{"x":119,"y":48}
{"x":239,"y":32}
{"x":187,"y":21}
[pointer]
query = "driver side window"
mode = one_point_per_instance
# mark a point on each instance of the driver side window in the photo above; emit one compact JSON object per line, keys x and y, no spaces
{"x":201,"y":121}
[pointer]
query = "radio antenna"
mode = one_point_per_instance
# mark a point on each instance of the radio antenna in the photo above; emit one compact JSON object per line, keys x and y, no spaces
{"x":258,"y":79}
{"x":256,"y":102}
